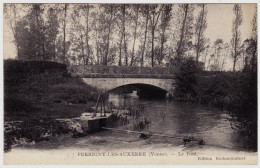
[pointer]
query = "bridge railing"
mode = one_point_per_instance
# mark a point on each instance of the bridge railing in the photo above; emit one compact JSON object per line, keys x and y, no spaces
{"x":115,"y":71}
{"x":121,"y":76}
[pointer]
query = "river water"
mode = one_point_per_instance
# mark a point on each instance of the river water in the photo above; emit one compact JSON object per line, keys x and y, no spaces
{"x":179,"y":119}
{"x":182,"y":119}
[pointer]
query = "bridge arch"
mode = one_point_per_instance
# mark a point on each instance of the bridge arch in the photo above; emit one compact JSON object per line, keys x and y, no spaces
{"x":143,"y":90}
{"x":106,"y":84}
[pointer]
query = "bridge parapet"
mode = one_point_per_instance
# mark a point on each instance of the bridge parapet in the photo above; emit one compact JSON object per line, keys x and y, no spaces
{"x":84,"y":71}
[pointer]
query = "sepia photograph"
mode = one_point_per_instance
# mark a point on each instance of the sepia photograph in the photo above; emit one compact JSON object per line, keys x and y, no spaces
{"x":130,"y":83}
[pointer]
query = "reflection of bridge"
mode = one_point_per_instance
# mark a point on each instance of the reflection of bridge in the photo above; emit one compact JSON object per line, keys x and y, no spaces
{"x":106,"y":78}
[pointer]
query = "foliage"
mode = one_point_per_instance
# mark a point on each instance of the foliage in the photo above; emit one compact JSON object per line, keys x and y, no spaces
{"x":185,"y":30}
{"x":234,"y":91}
{"x":200,"y":28}
{"x":236,"y":34}
{"x":186,"y":80}
{"x":120,"y":34}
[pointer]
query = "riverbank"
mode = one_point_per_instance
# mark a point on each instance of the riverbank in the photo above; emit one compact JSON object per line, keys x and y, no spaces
{"x":39,"y":89}
{"x":38,"y":92}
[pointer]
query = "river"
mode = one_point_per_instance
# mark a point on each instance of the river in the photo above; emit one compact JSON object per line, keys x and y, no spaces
{"x":180,"y":119}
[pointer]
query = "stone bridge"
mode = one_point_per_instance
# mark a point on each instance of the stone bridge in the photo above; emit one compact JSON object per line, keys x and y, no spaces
{"x":155,"y":80}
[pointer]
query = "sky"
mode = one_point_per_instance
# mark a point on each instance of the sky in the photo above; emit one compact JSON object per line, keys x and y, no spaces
{"x":219,"y":19}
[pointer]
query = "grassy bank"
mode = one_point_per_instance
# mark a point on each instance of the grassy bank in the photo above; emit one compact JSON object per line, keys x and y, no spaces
{"x":36,"y":89}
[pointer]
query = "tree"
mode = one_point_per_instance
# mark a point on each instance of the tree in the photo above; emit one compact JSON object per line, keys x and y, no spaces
{"x":64,"y":32}
{"x":185,"y":33}
{"x":80,"y":31}
{"x":248,"y":87}
{"x":200,"y":27}
{"x":22,"y":40}
{"x":109,"y":9}
{"x":96,"y":15}
{"x":249,"y":49}
{"x":218,"y":57}
{"x":51,"y":33}
{"x":77,"y":35}
{"x":136,"y":9}
{"x":87,"y":8}
{"x":145,"y":11}
{"x":11,"y":16}
{"x":236,"y":35}
{"x":155,"y":11}
{"x":165,"y":19}
{"x":122,"y":17}
{"x":253,"y":45}
{"x":186,"y":80}
{"x":31,"y":36}
{"x":37,"y":32}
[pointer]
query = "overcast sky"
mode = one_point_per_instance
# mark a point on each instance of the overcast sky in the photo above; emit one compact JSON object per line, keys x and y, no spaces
{"x":219,"y":20}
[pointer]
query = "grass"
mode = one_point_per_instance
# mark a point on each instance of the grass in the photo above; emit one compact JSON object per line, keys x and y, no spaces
{"x":36,"y":89}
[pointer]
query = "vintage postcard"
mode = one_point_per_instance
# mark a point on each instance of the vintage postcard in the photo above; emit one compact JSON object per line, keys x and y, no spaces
{"x":130,"y":83}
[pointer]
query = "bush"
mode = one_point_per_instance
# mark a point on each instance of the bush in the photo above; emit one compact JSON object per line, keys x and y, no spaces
{"x":186,"y":80}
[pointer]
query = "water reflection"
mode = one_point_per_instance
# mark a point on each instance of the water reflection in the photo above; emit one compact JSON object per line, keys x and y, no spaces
{"x":182,"y":119}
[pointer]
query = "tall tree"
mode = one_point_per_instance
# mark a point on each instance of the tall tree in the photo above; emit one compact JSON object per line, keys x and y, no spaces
{"x":109,"y":9}
{"x":254,"y":42}
{"x":87,"y":9}
{"x":185,"y":14}
{"x":200,"y":27}
{"x":77,"y":34}
{"x":121,"y":15}
{"x":96,"y":22}
{"x":120,"y":50}
{"x":36,"y":33}
{"x":51,"y":33}
{"x":165,"y":20}
{"x":155,"y":11}
{"x":136,"y":8}
{"x":64,"y":32}
{"x":236,"y":35}
{"x":145,"y":11}
{"x":250,"y":48}
{"x":12,"y":17}
{"x":22,"y":39}
{"x":124,"y":33}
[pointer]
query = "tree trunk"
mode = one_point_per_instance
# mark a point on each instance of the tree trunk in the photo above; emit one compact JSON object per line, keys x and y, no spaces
{"x":64,"y":33}
{"x":124,"y":34}
{"x":120,"y":50}
{"x":152,"y":57}
{"x":235,"y":51}
{"x":43,"y":49}
{"x":179,"y":56}
{"x":154,"y":23}
{"x":108,"y":36}
{"x":82,"y":49}
{"x":161,"y":51}
{"x":145,"y":34}
{"x":199,"y":35}
{"x":97,"y":43}
{"x":88,"y":50}
{"x":133,"y":49}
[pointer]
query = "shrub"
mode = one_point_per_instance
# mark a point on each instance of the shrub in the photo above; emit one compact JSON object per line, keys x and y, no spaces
{"x":186,"y":80}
